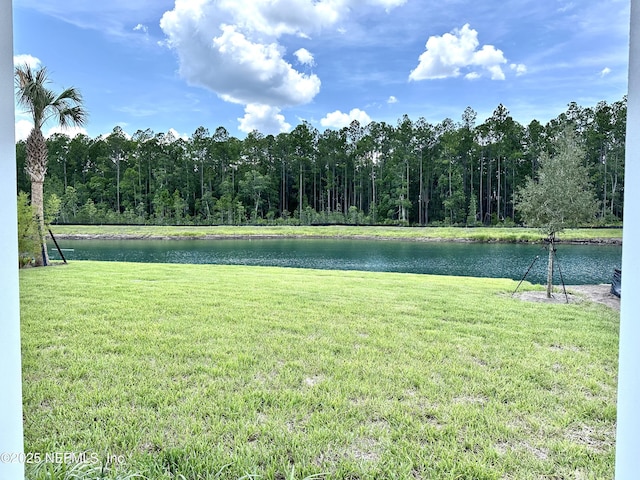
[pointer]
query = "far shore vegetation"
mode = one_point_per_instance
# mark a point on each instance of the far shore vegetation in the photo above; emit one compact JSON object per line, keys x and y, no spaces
{"x":229,"y":372}
{"x":473,"y":234}
{"x":462,"y":171}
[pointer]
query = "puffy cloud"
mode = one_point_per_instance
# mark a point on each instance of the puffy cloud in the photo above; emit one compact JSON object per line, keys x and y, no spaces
{"x":238,"y":69}
{"x":232,"y":48}
{"x":264,"y":118}
{"x":605,"y":71}
{"x":141,"y":28}
{"x":304,"y":56}
{"x":389,"y":4}
{"x":278,"y":17}
{"x":30,"y":60}
{"x":446,"y":55}
{"x":496,"y":72}
{"x":392,"y":99}
{"x":23,"y":129}
{"x":519,"y":68}
{"x":68,"y":131}
{"x":174,"y":133}
{"x":339,"y":119}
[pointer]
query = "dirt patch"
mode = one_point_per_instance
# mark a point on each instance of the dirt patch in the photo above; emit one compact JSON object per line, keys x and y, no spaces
{"x":597,"y":440}
{"x":313,"y":380}
{"x":575,"y":294}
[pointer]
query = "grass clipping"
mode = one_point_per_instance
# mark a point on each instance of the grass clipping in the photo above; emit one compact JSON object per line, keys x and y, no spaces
{"x":223,"y":372}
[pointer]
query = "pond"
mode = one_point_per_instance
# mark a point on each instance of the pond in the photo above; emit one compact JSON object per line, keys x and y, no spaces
{"x":580,"y":264}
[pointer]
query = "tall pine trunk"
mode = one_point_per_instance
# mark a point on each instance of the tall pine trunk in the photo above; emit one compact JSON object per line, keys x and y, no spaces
{"x":300,"y":194}
{"x":420,"y":194}
{"x":118,"y":184}
{"x":480,"y":193}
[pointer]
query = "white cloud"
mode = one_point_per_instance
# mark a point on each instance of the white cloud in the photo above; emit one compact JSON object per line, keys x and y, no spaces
{"x":392,"y":99}
{"x":496,"y":72}
{"x":23,"y":129}
{"x":233,"y":49}
{"x":122,"y":126}
{"x":519,"y":68}
{"x":566,"y":8}
{"x":141,"y":28}
{"x":69,"y":131}
{"x":264,"y":118}
{"x":605,"y":71}
{"x":278,"y":17}
{"x":305,"y":57}
{"x":177,"y":135}
{"x":237,"y":69}
{"x":339,"y":119}
{"x":390,"y":4}
{"x":446,"y":55}
{"x":30,"y":60}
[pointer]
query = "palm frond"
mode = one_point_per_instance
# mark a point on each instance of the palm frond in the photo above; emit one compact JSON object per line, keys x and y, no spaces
{"x":42,"y":103}
{"x":71,"y":116}
{"x":72,"y":94}
{"x":68,"y":109}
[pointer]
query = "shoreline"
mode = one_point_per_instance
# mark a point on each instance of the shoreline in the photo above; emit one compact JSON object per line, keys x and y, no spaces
{"x":126,"y":236}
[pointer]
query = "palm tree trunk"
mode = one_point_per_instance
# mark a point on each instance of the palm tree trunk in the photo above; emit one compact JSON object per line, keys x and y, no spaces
{"x":37,"y":169}
{"x":37,"y":193}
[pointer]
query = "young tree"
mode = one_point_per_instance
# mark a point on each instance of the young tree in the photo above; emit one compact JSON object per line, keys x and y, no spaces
{"x":561,"y":197}
{"x":43,"y":104}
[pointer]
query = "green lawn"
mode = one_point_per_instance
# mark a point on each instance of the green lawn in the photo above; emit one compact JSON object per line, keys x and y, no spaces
{"x":224,"y":372}
{"x":482,"y":234}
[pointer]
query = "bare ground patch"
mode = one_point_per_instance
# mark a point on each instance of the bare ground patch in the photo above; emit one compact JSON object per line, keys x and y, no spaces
{"x":596,"y":439}
{"x":575,"y":294}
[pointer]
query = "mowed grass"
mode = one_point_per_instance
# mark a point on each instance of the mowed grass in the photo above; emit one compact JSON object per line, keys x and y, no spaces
{"x":479,"y":234}
{"x":230,"y":371}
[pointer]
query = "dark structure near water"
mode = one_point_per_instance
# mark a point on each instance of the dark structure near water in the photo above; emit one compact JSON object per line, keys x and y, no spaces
{"x":616,"y":284}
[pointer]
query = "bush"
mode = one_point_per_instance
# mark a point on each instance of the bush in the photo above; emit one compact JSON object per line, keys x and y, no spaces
{"x":28,"y":239}
{"x":507,"y":223}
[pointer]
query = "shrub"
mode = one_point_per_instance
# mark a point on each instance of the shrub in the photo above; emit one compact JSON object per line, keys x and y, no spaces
{"x":28,"y":238}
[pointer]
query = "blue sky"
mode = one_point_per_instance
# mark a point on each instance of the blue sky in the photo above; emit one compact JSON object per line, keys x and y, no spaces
{"x":270,"y":64}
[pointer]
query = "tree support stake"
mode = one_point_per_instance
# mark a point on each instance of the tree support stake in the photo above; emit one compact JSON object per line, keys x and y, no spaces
{"x":56,"y":244}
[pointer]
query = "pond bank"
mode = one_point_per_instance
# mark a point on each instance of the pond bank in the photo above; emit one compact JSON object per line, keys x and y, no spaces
{"x":412,"y":234}
{"x":592,"y":241}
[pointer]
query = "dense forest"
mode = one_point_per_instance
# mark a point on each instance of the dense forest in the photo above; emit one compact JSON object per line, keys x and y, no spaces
{"x":413,"y":173}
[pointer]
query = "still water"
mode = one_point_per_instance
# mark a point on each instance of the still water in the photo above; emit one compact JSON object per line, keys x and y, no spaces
{"x":580,"y":264}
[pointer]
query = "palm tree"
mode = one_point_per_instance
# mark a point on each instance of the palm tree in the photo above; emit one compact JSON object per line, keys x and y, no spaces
{"x":44,"y":104}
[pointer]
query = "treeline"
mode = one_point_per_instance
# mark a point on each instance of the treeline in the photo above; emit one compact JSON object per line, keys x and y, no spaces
{"x":413,"y":173}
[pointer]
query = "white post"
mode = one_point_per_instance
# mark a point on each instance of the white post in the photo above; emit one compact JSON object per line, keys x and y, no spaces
{"x":628,"y":429}
{"x":11,"y":435}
